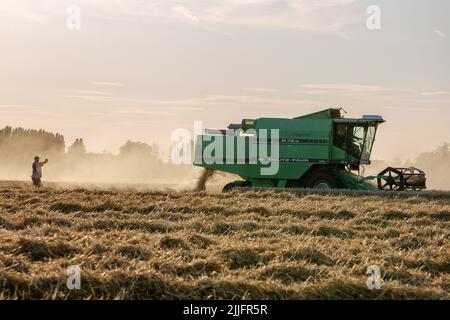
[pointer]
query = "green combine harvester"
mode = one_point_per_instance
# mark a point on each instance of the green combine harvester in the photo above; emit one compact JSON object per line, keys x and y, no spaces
{"x":321,"y":150}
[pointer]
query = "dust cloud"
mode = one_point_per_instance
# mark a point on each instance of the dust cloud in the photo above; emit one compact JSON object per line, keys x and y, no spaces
{"x":140,"y":163}
{"x":136,"y":162}
{"x":435,"y":164}
{"x":204,"y":176}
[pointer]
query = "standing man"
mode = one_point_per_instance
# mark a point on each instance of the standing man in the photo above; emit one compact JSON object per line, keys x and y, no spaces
{"x":37,"y":171}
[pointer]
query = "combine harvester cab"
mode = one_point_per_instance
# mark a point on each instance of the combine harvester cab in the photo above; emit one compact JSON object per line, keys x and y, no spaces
{"x":319,"y":150}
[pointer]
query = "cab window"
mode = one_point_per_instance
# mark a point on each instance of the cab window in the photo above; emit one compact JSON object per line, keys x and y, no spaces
{"x":350,"y":138}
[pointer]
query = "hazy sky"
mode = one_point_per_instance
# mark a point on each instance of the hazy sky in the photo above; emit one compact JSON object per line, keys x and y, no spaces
{"x":140,"y":69}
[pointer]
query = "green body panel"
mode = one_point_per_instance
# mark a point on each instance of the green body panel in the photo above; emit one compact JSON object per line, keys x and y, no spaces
{"x":338,"y":153}
{"x":303,"y":142}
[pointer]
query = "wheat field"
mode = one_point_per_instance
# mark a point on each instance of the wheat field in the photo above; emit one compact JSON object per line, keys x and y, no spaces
{"x":137,"y":244}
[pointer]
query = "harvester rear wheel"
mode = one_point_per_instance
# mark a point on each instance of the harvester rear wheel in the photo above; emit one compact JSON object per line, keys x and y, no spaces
{"x":234,"y":185}
{"x":321,"y":180}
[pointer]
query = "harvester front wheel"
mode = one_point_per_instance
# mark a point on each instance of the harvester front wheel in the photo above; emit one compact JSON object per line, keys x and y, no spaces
{"x":321,"y":180}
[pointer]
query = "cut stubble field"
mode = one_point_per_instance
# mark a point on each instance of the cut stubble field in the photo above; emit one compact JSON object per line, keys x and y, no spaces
{"x":137,"y":244}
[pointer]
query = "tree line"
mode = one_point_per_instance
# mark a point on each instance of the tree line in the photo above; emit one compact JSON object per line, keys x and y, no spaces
{"x":136,"y":161}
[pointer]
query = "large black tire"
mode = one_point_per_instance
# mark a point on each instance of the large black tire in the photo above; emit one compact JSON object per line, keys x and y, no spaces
{"x":321,"y":180}
{"x":235,"y":184}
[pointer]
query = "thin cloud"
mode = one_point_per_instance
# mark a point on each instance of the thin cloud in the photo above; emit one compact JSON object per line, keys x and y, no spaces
{"x":200,"y":102}
{"x":134,"y":111}
{"x":261,"y":90}
{"x":411,"y":108}
{"x":338,"y":88}
{"x":23,"y":11}
{"x":18,"y":106}
{"x":87,"y":92}
{"x":21,"y":110}
{"x":186,"y":13}
{"x":93,"y":98}
{"x":310,"y":15}
{"x":358,"y":89}
{"x":439,"y":33}
{"x":107,"y":84}
{"x":187,"y":108}
{"x":435,"y":93}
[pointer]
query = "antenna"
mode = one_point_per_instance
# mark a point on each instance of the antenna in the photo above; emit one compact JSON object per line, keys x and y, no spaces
{"x":343,"y":110}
